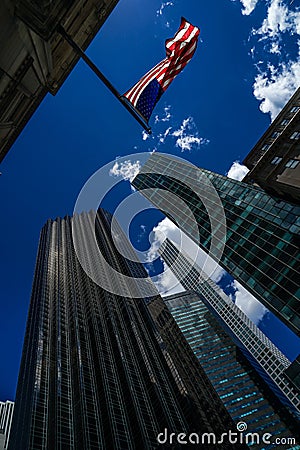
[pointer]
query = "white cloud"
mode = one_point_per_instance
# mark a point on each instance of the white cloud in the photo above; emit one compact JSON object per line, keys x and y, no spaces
{"x":279,"y":20}
{"x":249,"y":6}
{"x":145,"y":135}
{"x":280,"y":23}
{"x":275,"y":86}
{"x":164,"y":229}
{"x":218,"y":274}
{"x":162,"y":136}
{"x":297,"y":22}
{"x":142,"y":232}
{"x":252,"y":52}
{"x":247,"y":303}
{"x":167,"y":283}
{"x":127,"y":170}
{"x":237,"y":171}
{"x":187,"y":135}
{"x":275,"y":48}
{"x":167,"y":115}
{"x":186,"y":142}
{"x":159,"y":12}
{"x":167,"y":229}
{"x":275,"y":82}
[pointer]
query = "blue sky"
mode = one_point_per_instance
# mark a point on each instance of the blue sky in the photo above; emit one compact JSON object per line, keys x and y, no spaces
{"x":246,"y":67}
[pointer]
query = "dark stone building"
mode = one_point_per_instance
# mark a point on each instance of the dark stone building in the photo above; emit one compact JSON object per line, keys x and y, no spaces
{"x":34,"y":58}
{"x":274,"y":162}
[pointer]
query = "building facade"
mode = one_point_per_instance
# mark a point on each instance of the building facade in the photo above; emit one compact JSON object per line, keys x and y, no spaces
{"x":267,"y":360}
{"x":95,"y":372}
{"x":6,"y":415}
{"x":293,"y":373}
{"x":256,"y":238}
{"x":35,"y":59}
{"x":274,"y":162}
{"x":243,"y":392}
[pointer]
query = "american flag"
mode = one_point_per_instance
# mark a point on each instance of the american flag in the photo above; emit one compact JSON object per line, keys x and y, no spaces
{"x":179,"y":50}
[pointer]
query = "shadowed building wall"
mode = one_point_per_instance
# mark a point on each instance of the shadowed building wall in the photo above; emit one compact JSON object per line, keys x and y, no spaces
{"x":34,"y":58}
{"x":95,"y":372}
{"x":6,"y":414}
{"x":274,"y":162}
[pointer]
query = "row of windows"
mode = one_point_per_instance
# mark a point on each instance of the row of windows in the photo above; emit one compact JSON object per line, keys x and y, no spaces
{"x":277,"y":133}
{"x":291,"y":163}
{"x":263,"y":202}
{"x":214,"y":374}
{"x":266,"y":356}
{"x":228,"y":187}
{"x":295,"y":135}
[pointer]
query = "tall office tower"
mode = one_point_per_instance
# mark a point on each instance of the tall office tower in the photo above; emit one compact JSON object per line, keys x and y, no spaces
{"x":246,"y":397}
{"x":93,"y":373}
{"x":265,"y":357}
{"x":274,"y":162}
{"x":260,"y":234}
{"x":293,"y":372}
{"x":6,"y":414}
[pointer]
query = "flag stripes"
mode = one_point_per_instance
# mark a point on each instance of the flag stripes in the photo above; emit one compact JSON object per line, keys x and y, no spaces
{"x":179,"y":50}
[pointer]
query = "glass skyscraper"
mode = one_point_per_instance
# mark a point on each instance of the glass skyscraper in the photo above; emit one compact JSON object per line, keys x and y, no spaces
{"x":6,"y":414}
{"x":95,"y":373}
{"x":261,"y":236}
{"x":268,"y":361}
{"x":243,"y":392}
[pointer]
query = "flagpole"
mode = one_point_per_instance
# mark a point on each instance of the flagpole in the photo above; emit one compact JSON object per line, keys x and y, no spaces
{"x":130,"y":108}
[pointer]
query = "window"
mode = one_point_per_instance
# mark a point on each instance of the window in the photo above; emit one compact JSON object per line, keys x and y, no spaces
{"x":276,"y":160}
{"x":285,"y":122}
{"x":295,"y":135}
{"x":295,"y":109}
{"x":265,"y":147}
{"x":275,"y":134}
{"x":292,"y":163}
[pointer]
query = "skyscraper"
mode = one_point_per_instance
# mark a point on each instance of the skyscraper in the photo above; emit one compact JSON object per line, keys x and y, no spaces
{"x":274,"y":162}
{"x":6,"y":414}
{"x":293,"y":372}
{"x":259,"y":233}
{"x":244,"y":394}
{"x":95,"y":372}
{"x":268,"y":361}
